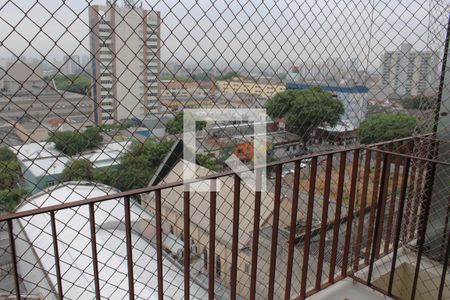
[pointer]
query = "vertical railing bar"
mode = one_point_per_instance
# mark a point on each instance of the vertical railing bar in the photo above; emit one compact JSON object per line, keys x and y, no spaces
{"x":235,"y":246}
{"x":56,"y":253}
{"x":324,"y":220}
{"x":212,"y":239}
{"x":14,"y":258}
{"x":383,"y":198}
{"x":362,"y":209}
{"x":129,"y":247}
{"x":444,"y":269}
{"x":255,"y":238}
{"x":348,"y":230}
{"x":337,"y":216}
{"x":398,"y":226}
{"x":292,"y":230}
{"x":276,"y":217}
{"x":94,"y":251}
{"x":187,"y":242}
{"x":377,"y":219}
{"x":392,"y":202}
{"x":373,"y":206}
{"x":159,"y":256}
{"x":307,"y":236}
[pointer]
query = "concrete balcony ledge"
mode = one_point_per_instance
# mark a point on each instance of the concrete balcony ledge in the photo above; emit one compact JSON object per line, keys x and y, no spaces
{"x":348,"y":289}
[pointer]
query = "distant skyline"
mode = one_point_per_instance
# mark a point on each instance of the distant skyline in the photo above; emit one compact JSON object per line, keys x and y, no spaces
{"x":236,"y":31}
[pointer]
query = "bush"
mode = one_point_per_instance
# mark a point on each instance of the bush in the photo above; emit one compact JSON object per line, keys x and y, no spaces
{"x":75,"y":142}
{"x":385,"y":127}
{"x":80,"y":169}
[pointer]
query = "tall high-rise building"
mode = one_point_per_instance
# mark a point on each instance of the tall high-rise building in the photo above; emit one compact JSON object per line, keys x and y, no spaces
{"x":407,"y":72}
{"x":124,"y":42}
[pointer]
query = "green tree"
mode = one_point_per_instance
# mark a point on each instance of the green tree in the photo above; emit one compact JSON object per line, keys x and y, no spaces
{"x":139,"y":164}
{"x":80,"y":169}
{"x":10,"y":174}
{"x":6,"y":154}
{"x":207,"y":161}
{"x":92,"y":137}
{"x":74,"y":142}
{"x":175,"y":125}
{"x":385,"y":127}
{"x":10,"y":198}
{"x":305,"y":110}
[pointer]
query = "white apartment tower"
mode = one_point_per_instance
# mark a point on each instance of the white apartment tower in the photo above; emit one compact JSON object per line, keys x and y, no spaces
{"x":410,"y":73}
{"x":124,"y":43}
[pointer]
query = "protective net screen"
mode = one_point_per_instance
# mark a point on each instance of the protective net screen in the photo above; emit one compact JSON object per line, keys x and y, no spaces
{"x":95,"y":96}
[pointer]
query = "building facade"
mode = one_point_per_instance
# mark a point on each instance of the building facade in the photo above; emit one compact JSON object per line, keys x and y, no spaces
{"x":407,"y":72}
{"x":239,"y":85}
{"x":125,"y":81}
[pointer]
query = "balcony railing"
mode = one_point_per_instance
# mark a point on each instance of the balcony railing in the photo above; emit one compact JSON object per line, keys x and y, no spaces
{"x":374,"y":202}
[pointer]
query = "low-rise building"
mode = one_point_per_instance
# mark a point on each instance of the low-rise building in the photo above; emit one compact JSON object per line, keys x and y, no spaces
{"x":42,"y":164}
{"x":248,"y":86}
{"x":173,"y":88}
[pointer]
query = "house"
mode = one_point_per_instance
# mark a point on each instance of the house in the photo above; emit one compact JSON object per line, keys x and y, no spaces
{"x":42,"y":164}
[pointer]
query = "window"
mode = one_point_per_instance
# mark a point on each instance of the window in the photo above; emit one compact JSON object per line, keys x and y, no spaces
{"x":171,"y":229}
{"x":50,"y":183}
{"x":247,"y":268}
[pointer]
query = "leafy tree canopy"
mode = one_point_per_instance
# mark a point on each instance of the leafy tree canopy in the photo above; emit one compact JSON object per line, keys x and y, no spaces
{"x":385,"y":127}
{"x":74,"y":142}
{"x":6,"y":154}
{"x":10,"y":198}
{"x":138,"y":165}
{"x":80,"y":169}
{"x":305,"y":109}
{"x":175,"y":125}
{"x":207,"y":161}
{"x":10,"y":174}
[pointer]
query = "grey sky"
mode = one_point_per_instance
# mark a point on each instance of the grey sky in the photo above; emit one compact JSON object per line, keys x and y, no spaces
{"x":241,"y":30}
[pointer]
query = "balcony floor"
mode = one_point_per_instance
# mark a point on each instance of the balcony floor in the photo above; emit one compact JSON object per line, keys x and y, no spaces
{"x":348,"y":289}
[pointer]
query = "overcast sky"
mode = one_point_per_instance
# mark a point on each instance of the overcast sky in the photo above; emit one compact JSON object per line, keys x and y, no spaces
{"x":266,"y":31}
